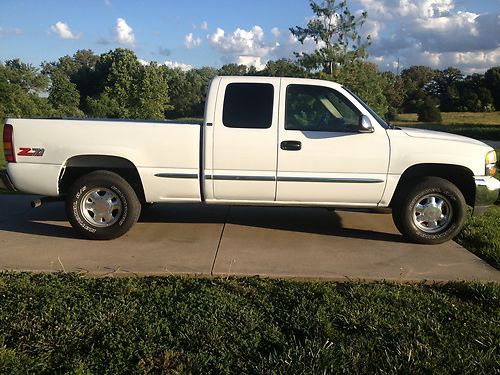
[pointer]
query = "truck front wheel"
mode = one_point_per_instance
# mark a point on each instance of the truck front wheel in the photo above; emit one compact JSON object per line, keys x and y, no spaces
{"x":102,"y":205}
{"x":432,"y":211}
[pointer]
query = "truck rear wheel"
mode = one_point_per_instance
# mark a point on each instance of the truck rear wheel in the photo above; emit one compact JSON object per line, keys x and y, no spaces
{"x":102,"y":205}
{"x":432,"y":211}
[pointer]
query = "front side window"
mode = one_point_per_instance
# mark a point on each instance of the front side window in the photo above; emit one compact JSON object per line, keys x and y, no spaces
{"x":248,"y":105}
{"x":316,"y":108}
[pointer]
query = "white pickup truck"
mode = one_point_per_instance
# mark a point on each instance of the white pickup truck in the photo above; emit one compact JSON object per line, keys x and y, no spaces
{"x":264,"y":141}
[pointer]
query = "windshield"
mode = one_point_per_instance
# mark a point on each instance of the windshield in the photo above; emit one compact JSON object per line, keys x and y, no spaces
{"x":372,"y":112}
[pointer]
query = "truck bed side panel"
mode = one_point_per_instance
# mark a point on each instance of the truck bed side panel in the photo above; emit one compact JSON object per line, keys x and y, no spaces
{"x":155,"y":148}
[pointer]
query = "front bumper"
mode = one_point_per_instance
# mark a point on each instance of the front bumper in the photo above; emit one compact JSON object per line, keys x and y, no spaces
{"x":487,"y":190}
{"x":5,"y":182}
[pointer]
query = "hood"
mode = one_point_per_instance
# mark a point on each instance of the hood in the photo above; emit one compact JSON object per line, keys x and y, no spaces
{"x":422,"y":133}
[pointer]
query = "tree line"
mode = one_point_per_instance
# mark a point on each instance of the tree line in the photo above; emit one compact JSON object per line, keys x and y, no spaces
{"x":116,"y":84}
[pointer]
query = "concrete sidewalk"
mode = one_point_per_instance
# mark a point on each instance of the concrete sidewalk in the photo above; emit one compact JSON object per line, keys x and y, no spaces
{"x":187,"y":239}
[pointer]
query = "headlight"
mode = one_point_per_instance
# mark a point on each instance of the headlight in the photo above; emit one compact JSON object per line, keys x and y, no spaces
{"x":491,"y":163}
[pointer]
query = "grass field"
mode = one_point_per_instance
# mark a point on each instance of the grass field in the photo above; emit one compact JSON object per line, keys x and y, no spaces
{"x":67,"y":324}
{"x":475,"y":125}
{"x":458,"y":118}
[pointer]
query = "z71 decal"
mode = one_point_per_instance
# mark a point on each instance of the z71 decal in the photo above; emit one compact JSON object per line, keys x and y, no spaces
{"x":26,"y":151}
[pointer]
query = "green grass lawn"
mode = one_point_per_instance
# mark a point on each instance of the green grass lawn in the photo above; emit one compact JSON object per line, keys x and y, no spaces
{"x":475,"y":125}
{"x":481,"y":235}
{"x":68,"y":324}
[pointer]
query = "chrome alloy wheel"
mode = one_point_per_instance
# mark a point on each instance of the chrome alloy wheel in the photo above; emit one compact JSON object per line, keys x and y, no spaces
{"x":101,"y":207}
{"x":432,"y":213}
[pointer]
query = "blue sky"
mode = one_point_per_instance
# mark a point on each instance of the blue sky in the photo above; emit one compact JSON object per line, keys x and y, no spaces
{"x":437,"y":33}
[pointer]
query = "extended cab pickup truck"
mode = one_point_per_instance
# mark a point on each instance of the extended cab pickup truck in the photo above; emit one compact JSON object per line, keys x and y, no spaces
{"x":263,"y":141}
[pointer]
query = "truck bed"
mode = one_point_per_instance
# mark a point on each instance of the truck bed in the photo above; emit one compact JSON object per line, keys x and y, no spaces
{"x":153,"y":147}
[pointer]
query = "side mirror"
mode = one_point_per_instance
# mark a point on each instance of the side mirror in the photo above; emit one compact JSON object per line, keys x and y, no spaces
{"x":365,"y":125}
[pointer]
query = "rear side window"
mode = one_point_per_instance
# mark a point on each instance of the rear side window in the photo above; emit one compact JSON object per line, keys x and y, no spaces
{"x":248,"y":105}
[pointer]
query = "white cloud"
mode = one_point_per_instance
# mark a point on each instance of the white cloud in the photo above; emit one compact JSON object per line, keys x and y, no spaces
{"x":124,"y":33}
{"x":204,"y":25}
{"x":107,"y":3}
{"x":242,"y":46}
{"x":175,"y":64}
{"x":289,"y":44}
{"x":431,"y":32}
{"x":191,"y":42}
{"x":168,"y":63}
{"x":63,"y":30}
{"x":426,"y":32}
{"x":276,"y":32}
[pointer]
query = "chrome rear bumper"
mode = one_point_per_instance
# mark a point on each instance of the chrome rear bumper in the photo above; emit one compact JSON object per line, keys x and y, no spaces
{"x":487,"y":190}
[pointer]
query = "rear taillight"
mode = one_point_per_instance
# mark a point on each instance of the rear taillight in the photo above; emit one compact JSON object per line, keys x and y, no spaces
{"x":8,"y":145}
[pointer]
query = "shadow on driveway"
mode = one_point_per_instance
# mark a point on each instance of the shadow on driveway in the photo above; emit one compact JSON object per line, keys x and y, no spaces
{"x":50,"y":219}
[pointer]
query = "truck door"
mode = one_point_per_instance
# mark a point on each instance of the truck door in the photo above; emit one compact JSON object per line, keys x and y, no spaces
{"x":245,"y":136}
{"x":322,"y":157}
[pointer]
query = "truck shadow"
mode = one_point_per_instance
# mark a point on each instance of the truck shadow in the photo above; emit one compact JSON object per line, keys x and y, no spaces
{"x":50,"y":220}
{"x":292,"y":219}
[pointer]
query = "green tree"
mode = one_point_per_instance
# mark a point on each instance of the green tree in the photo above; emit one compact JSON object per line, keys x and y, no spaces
{"x":152,"y":94}
{"x":428,"y":110}
{"x":444,"y":88}
{"x":284,"y":68}
{"x":20,"y":85}
{"x":394,"y":92}
{"x":415,"y":79}
{"x":80,"y":71}
{"x":124,"y":86}
{"x":233,"y":70}
{"x":201,"y":79}
{"x":64,"y":96}
{"x":188,"y":91}
{"x":492,"y":81}
{"x":334,"y":29}
{"x":179,"y":88}
{"x":364,"y":79}
{"x":26,"y":76}
{"x":121,"y":70}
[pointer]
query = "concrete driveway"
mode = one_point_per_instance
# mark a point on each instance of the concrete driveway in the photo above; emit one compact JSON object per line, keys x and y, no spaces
{"x":220,"y":240}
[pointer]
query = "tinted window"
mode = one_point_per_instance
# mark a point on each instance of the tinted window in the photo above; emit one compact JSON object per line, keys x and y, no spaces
{"x":316,"y":108}
{"x":248,"y":105}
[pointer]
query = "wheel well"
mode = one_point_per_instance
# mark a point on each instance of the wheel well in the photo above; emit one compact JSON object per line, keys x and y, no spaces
{"x":461,"y":177}
{"x":79,"y":166}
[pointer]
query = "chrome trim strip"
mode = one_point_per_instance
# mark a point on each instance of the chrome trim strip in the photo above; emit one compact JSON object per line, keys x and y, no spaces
{"x":334,"y":180}
{"x":294,"y":179}
{"x":240,"y":178}
{"x":177,"y":175}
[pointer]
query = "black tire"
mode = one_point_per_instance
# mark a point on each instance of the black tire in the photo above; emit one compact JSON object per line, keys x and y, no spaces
{"x":418,"y":205}
{"x":115,"y":203}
